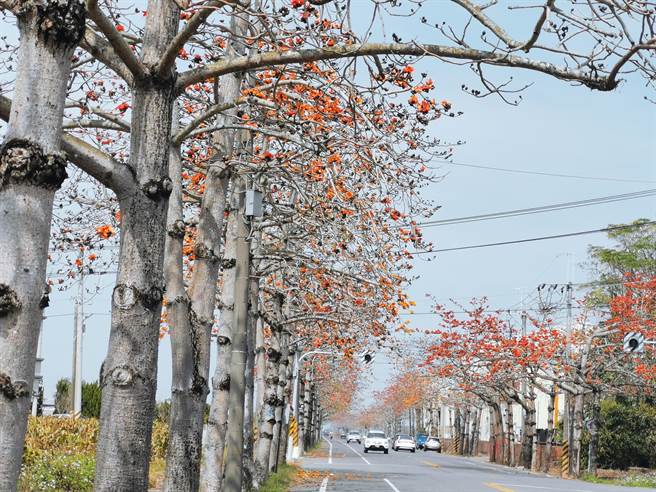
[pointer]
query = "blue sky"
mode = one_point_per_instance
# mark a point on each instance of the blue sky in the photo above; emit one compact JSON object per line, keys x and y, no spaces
{"x":557,"y":128}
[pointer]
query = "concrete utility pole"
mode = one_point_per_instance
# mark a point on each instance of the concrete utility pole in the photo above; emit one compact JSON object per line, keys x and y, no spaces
{"x":38,"y":373}
{"x":235,"y":438}
{"x":77,"y":345}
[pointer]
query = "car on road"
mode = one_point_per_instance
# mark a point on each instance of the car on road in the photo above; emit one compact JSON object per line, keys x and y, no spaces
{"x":433,"y":444}
{"x":404,"y":441}
{"x":353,"y":436}
{"x":342,"y":435}
{"x":420,"y":440}
{"x":376,"y":441}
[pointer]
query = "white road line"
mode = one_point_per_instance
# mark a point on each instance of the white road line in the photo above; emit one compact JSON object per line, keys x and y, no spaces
{"x":363,"y":458}
{"x":542,"y":487}
{"x":324,"y":485}
{"x":391,"y":485}
{"x":330,"y":451}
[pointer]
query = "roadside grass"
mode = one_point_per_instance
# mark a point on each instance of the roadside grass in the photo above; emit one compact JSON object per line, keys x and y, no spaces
{"x":630,"y":480}
{"x":281,"y":480}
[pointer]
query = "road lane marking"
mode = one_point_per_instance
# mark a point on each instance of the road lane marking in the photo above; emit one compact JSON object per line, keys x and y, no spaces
{"x":363,"y":458}
{"x":498,"y":487}
{"x":330,"y":451}
{"x":324,"y":485}
{"x":434,"y":465}
{"x":391,"y":485}
{"x":543,"y":487}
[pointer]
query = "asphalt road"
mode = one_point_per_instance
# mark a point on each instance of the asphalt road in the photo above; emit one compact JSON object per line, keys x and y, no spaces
{"x":347,"y":468}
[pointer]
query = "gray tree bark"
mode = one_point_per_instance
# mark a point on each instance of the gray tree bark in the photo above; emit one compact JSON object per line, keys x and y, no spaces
{"x":235,"y":434}
{"x":575,"y":445}
{"x":217,"y":424}
{"x":280,"y":401}
{"x":267,"y":416}
{"x":546,"y":455}
{"x":32,"y":167}
{"x":192,"y":349}
{"x":594,"y":433}
{"x":249,"y":410}
{"x":128,"y":375}
{"x":287,"y":395}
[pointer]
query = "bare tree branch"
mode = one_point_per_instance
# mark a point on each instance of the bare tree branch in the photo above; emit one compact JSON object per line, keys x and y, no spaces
{"x":102,"y":51}
{"x":116,"y":176}
{"x":201,"y":15}
{"x":122,"y":48}
{"x":260,"y":60}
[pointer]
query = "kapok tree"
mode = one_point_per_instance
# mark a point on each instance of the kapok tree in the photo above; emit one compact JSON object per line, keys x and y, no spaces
{"x":143,"y":51}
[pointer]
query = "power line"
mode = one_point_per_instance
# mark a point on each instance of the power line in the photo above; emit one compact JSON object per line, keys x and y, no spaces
{"x":540,"y":238}
{"x":540,"y":209}
{"x":500,"y":310}
{"x":542,"y":173}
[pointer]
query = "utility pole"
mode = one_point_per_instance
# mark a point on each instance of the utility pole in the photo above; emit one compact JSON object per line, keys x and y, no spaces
{"x":568,"y":428}
{"x":235,"y":439}
{"x":77,"y":343}
{"x":38,"y":373}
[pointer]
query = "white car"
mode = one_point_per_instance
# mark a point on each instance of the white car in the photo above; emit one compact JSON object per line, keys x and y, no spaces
{"x":433,"y":444}
{"x":353,"y":436}
{"x":376,"y":441}
{"x":404,"y":441}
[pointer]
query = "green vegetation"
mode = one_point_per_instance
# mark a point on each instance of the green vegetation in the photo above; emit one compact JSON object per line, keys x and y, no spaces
{"x":54,"y":471}
{"x":627,"y":435}
{"x":630,"y":480}
{"x":635,"y":253}
{"x":60,"y":454}
{"x":281,"y":480}
{"x":91,"y":398}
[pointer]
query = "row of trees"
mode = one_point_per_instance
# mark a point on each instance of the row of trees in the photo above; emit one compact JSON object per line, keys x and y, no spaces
{"x":172,"y":115}
{"x":480,"y":360}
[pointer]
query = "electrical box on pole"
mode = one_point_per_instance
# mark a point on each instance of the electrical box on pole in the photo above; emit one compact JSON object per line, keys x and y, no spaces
{"x":253,"y":203}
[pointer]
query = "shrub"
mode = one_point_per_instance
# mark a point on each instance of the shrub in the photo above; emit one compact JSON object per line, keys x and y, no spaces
{"x":66,"y":436}
{"x":627,"y":435}
{"x":60,"y":453}
{"x":54,"y":471}
{"x":160,"y":440}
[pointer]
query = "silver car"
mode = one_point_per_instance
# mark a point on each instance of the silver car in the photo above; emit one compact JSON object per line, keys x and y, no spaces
{"x":433,"y":444}
{"x":353,"y":436}
{"x":404,"y":441}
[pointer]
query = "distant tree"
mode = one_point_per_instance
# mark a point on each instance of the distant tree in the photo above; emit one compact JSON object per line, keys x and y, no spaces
{"x":634,"y":253}
{"x":91,"y":397}
{"x":163,"y":411}
{"x":63,"y":396}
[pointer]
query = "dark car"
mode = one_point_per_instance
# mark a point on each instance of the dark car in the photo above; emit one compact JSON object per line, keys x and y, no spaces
{"x":421,"y":440}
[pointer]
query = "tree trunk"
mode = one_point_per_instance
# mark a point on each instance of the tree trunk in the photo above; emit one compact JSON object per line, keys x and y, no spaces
{"x":235,"y":433}
{"x":129,"y":373}
{"x":213,"y":449}
{"x":578,"y":434}
{"x":473,"y":440}
{"x":511,"y":435}
{"x":260,"y":369}
{"x":31,"y":169}
{"x":192,"y":348}
{"x":528,"y":431}
{"x":546,"y":456}
{"x":280,"y":401}
{"x":287,"y":394}
{"x":249,"y":416}
{"x":267,"y":415}
{"x":594,"y":433}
